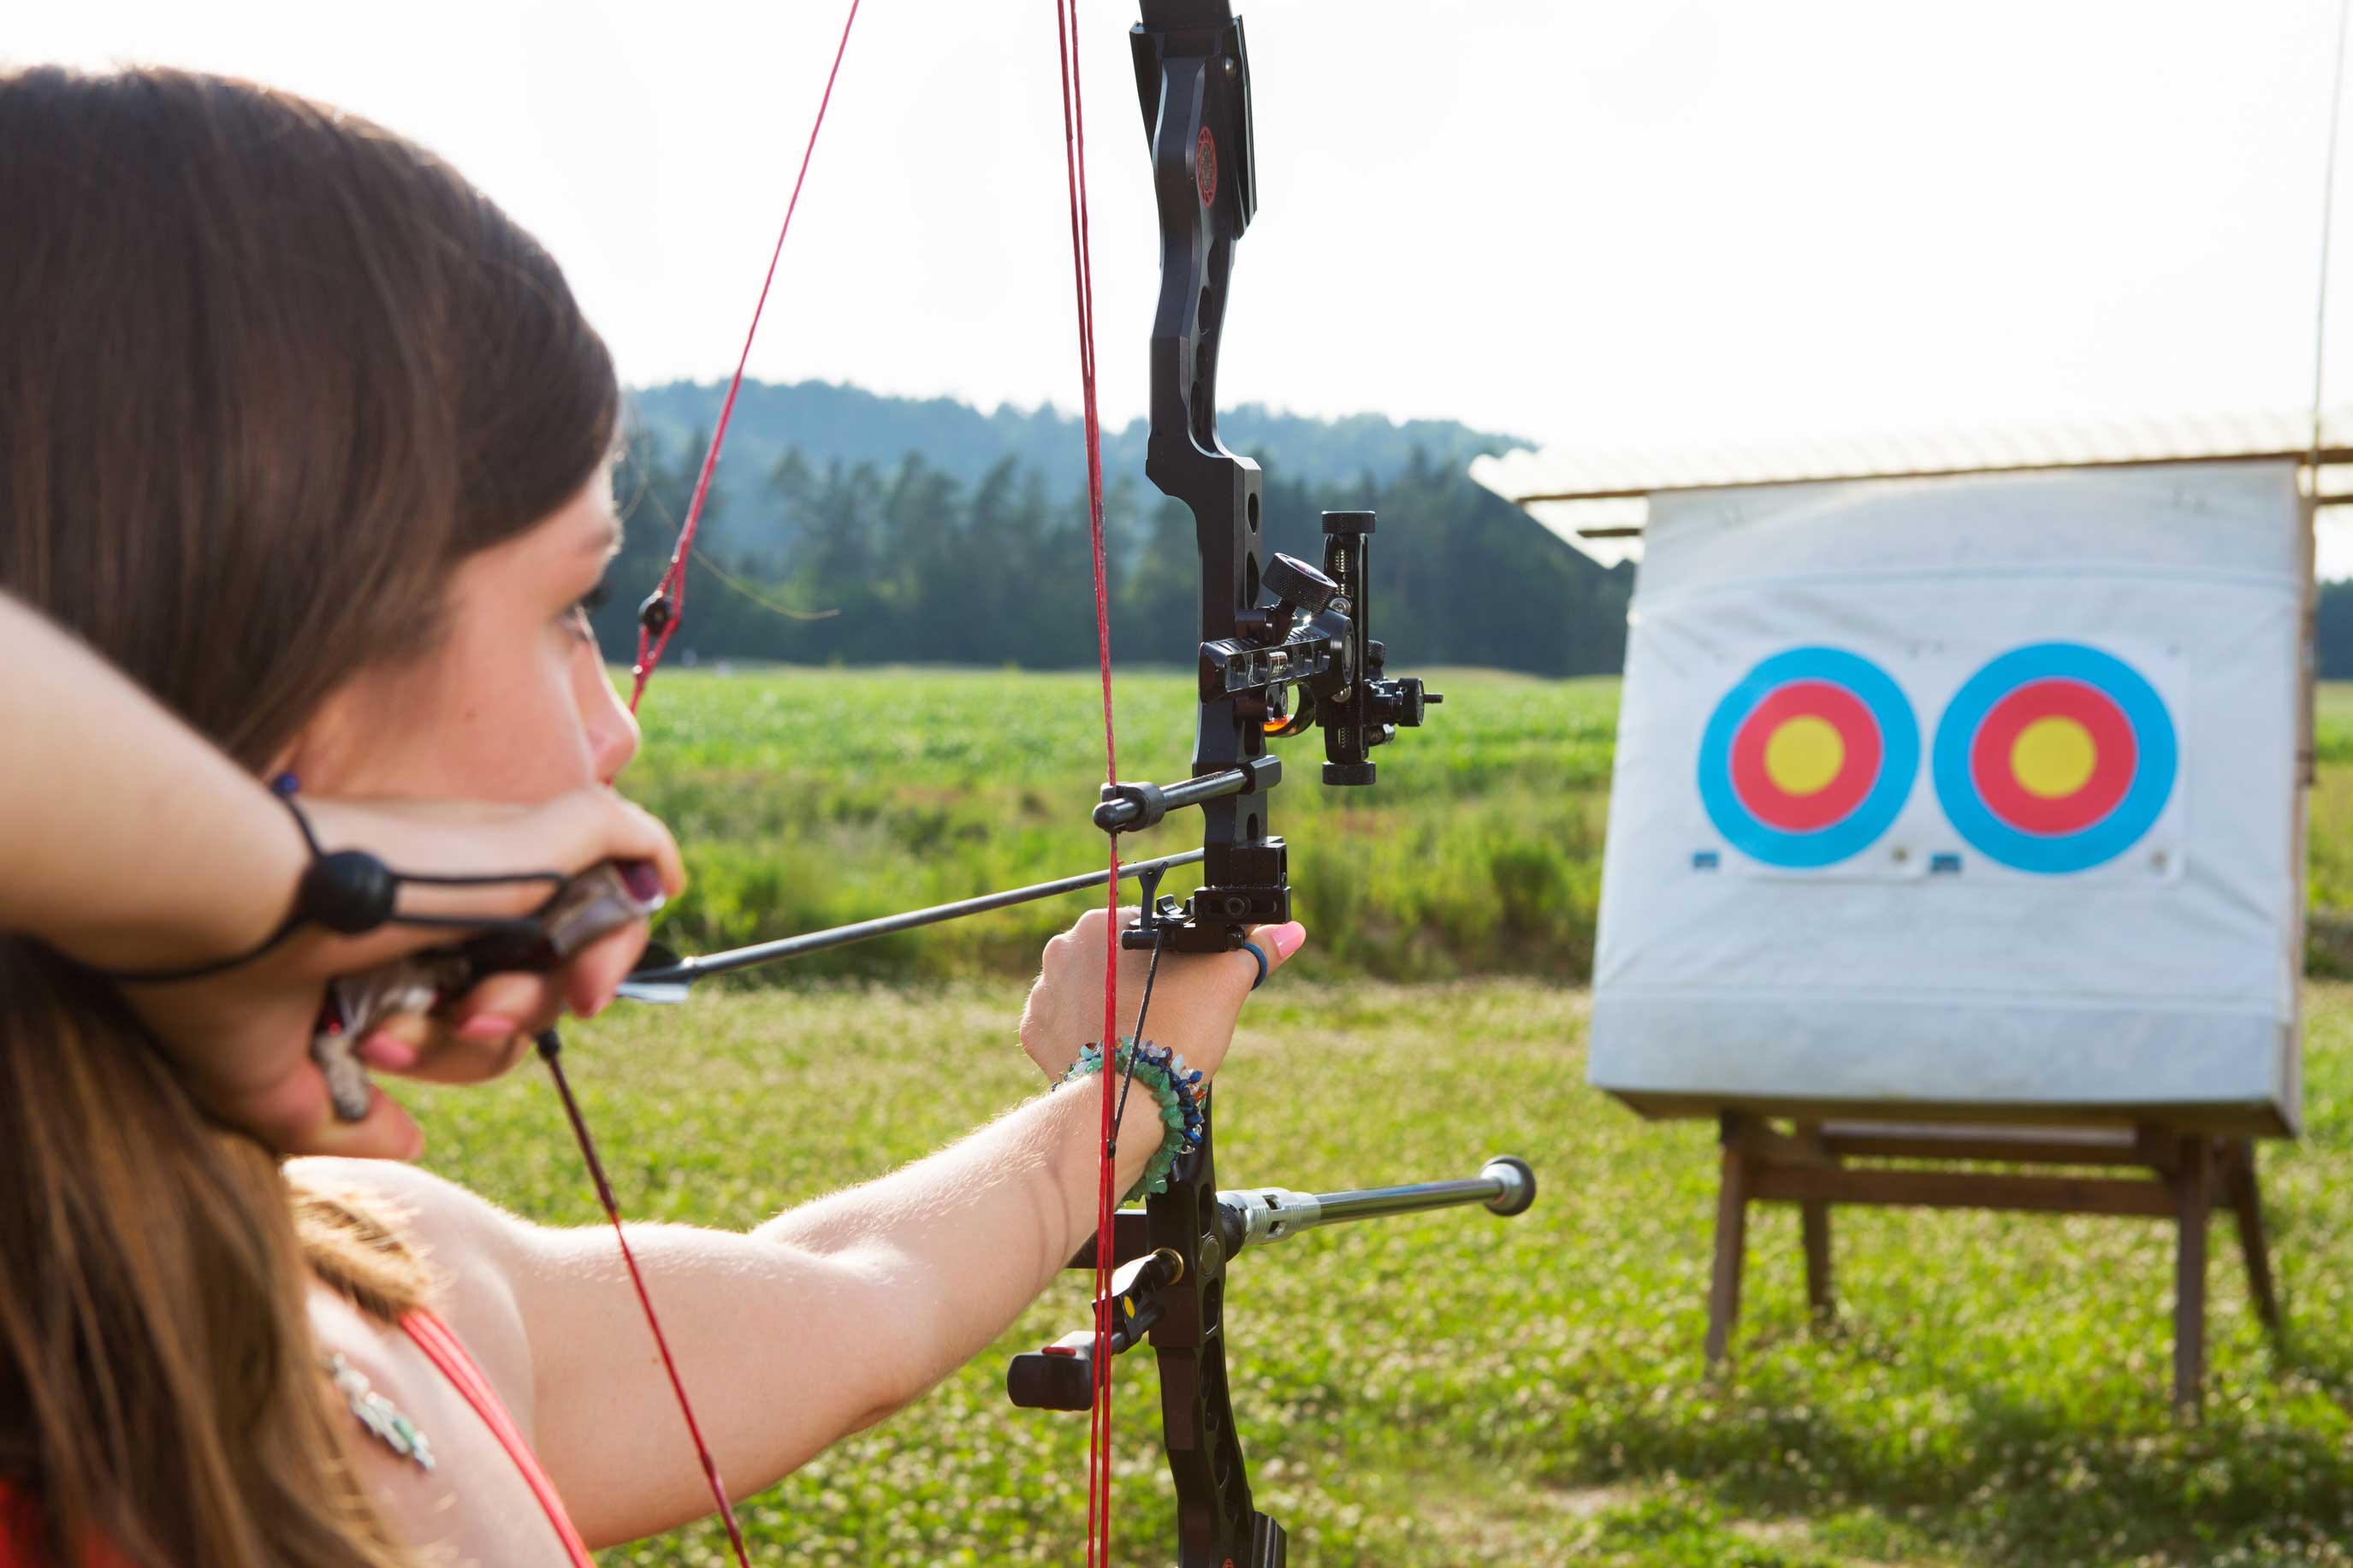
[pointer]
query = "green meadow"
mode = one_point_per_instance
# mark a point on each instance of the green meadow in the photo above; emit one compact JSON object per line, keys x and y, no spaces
{"x":1450,"y":1389}
{"x":812,"y":798}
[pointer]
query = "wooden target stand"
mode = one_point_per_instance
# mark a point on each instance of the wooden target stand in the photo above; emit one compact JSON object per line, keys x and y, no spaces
{"x":2185,"y":1175}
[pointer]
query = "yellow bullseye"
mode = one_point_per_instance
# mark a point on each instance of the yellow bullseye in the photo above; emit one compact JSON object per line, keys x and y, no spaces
{"x":1802,"y":756}
{"x":2053,"y":757}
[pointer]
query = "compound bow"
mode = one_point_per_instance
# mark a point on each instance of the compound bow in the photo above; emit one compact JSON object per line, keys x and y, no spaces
{"x":1266,"y":670}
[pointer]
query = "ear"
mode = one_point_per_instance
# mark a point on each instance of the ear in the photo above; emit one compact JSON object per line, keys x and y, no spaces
{"x":325,"y":755}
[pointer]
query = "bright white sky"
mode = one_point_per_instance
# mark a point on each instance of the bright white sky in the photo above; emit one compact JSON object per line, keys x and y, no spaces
{"x":1585,"y":220}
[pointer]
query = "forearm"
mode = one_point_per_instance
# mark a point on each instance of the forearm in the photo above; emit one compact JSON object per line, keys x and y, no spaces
{"x":126,"y":832}
{"x":970,"y":1235}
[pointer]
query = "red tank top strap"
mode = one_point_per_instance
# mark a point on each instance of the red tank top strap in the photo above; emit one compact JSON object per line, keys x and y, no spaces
{"x":442,"y":1347}
{"x":20,"y":1530}
{"x":24,"y":1535}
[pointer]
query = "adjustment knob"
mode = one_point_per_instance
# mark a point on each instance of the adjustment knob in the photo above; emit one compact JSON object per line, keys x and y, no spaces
{"x":1298,"y":584}
{"x":1059,"y":1377}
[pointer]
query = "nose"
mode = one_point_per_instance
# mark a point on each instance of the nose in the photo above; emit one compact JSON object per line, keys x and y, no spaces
{"x":611,"y":728}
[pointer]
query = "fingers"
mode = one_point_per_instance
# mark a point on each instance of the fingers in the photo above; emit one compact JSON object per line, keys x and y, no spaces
{"x":1088,"y":929}
{"x":596,"y":971}
{"x":241,"y":1034}
{"x":493,"y":1048}
{"x":386,"y":1132}
{"x":480,"y":1037}
{"x":597,"y":824}
{"x":1278,"y":942}
{"x":295,"y":1118}
{"x":653,"y":842}
{"x":483,"y":1034}
{"x":1087,"y":935}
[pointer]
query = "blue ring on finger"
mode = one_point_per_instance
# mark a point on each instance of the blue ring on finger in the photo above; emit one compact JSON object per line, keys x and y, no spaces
{"x":1255,"y":952}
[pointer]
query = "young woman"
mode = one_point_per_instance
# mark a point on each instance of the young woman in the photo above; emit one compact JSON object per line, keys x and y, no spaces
{"x":305,"y":438}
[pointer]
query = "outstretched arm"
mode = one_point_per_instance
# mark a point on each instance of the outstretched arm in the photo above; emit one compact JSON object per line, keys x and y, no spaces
{"x":820,"y":1322}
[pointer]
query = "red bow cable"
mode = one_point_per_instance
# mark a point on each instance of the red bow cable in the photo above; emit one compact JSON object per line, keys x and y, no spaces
{"x":658,"y":617}
{"x":658,"y":622}
{"x":1074,"y":162}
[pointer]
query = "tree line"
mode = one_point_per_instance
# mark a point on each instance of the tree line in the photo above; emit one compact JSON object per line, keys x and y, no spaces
{"x":2332,"y":632}
{"x":835,"y":561}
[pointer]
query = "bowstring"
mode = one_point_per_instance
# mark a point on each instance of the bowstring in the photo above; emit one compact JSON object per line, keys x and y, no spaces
{"x":655,"y":629}
{"x":670,"y":593}
{"x":1074,"y":167}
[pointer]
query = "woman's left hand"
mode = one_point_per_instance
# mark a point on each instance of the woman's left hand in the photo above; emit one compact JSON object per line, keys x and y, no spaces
{"x":1196,"y":1000}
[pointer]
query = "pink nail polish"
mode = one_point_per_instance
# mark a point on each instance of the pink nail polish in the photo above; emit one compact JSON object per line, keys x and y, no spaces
{"x":1290,"y":939}
{"x":487,"y":1027}
{"x":387,"y":1051}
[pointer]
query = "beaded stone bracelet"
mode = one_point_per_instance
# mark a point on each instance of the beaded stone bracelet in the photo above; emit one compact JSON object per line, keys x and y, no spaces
{"x":1177,"y":1089}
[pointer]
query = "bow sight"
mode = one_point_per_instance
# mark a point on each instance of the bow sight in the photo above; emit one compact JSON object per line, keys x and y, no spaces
{"x":1305,"y":659}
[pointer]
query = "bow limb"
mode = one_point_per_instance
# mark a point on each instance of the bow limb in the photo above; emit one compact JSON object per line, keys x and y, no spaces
{"x":1192,"y":77}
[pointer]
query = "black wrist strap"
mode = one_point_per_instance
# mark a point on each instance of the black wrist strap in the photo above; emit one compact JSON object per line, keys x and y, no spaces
{"x":348,"y":891}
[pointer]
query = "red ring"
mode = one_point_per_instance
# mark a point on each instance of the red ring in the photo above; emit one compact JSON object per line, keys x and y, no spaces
{"x":1858,"y":731}
{"x":2116,"y":757}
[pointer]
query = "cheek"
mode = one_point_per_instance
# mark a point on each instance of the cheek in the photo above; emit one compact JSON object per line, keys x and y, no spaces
{"x":515,"y":736}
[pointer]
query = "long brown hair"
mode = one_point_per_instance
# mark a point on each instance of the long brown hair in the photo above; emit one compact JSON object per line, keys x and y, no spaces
{"x":267,"y":372}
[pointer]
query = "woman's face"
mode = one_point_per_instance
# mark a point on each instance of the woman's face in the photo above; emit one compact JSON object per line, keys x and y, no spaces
{"x":512,"y":704}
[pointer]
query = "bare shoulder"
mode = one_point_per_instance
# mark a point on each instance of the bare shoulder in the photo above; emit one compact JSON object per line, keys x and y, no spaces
{"x":471,"y":1248}
{"x":454,"y":1227}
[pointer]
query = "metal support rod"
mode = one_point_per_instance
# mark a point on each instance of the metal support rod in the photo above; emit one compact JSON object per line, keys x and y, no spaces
{"x":1141,"y":805}
{"x":1505,"y":1184}
{"x":675,"y":977}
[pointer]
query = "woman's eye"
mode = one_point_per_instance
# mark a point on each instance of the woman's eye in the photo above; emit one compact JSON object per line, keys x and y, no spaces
{"x":585,"y":605}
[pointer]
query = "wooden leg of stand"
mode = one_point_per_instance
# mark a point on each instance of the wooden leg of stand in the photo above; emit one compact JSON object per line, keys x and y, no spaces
{"x":1814,"y":1218}
{"x":1731,"y":1245}
{"x":2247,"y":1203}
{"x":2193,"y":1186}
{"x":1814,"y":1223}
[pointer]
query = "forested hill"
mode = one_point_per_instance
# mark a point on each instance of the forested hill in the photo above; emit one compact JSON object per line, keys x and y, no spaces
{"x":851,"y":528}
{"x":823,"y":421}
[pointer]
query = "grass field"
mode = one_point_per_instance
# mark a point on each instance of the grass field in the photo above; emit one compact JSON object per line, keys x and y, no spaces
{"x":811,"y":798}
{"x":1450,"y":1389}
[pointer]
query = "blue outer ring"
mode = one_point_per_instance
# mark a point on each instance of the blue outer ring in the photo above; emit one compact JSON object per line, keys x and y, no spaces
{"x":1899,"y":760}
{"x":2056,"y":854}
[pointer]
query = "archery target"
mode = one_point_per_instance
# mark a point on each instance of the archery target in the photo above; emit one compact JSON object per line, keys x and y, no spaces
{"x":2085,"y":891}
{"x":2055,"y":758}
{"x":1809,"y":759}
